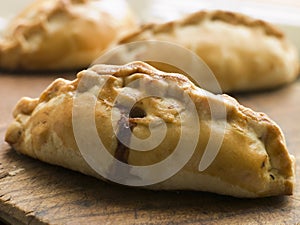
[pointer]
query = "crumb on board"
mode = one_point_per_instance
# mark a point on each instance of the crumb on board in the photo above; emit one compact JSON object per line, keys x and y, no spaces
{"x":4,"y":174}
{"x":15,"y":172}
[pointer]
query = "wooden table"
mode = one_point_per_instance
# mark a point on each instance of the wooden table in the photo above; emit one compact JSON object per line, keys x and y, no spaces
{"x":32,"y":192}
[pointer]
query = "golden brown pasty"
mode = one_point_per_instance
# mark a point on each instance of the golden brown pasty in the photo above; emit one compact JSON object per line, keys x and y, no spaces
{"x":252,"y":159}
{"x":63,"y":34}
{"x":245,"y":54}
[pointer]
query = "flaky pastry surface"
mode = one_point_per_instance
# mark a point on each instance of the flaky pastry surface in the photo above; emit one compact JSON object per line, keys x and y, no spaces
{"x":253,"y":160}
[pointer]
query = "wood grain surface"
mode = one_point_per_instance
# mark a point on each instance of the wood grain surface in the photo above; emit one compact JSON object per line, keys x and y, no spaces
{"x":32,"y":192}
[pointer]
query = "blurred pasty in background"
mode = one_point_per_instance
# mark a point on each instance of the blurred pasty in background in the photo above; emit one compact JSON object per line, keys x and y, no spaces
{"x":63,"y":34}
{"x":245,"y":54}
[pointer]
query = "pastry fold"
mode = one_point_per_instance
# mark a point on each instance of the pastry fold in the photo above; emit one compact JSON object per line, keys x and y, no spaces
{"x":252,"y":159}
{"x":245,"y":54}
{"x":63,"y":34}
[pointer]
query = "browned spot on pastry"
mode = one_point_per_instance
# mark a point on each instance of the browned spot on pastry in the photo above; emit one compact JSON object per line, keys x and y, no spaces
{"x":164,"y":28}
{"x":78,"y":1}
{"x":264,"y":162}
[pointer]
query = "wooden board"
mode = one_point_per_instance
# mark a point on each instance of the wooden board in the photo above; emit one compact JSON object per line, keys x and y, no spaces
{"x":32,"y":192}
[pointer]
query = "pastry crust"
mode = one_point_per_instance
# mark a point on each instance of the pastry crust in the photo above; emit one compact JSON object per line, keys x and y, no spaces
{"x":63,"y":34}
{"x":245,"y":54}
{"x":253,"y":160}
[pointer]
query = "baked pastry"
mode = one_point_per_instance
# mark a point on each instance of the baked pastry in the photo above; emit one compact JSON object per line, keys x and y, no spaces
{"x":63,"y":34}
{"x":252,"y":159}
{"x":245,"y":54}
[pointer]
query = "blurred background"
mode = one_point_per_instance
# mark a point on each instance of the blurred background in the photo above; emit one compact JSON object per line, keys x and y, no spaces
{"x":284,"y":13}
